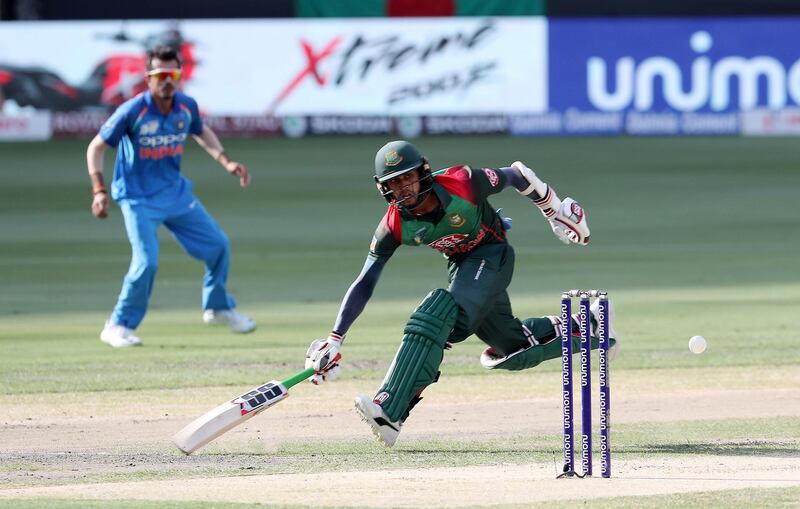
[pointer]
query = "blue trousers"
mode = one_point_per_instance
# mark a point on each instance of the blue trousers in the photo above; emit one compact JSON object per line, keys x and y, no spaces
{"x":195,"y":230}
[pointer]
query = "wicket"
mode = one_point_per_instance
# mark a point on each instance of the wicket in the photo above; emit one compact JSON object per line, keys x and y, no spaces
{"x":584,"y":322}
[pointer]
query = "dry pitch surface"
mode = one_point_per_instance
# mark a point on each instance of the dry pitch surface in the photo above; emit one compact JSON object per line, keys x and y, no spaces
{"x":72,"y":436}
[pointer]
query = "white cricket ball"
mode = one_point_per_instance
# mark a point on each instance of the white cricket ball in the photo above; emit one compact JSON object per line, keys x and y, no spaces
{"x":697,"y":344}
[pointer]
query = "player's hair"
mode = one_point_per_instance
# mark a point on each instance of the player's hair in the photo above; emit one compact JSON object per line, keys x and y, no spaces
{"x":163,"y":53}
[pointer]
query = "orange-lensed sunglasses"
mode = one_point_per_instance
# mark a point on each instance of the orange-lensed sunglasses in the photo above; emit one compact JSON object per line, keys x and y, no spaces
{"x":162,"y":74}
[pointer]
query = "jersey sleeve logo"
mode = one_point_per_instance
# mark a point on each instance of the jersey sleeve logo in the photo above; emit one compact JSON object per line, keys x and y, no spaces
{"x":492,"y":176}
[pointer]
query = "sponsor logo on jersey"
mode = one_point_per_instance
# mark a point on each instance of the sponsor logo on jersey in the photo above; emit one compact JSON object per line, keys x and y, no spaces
{"x":392,"y":158}
{"x":419,"y":235}
{"x":492,"y":176}
{"x":456,"y":220}
{"x":148,"y":128}
{"x":156,"y":153}
{"x":161,"y":139}
{"x":380,"y":398}
{"x":448,"y":242}
{"x":161,"y":146}
{"x":454,"y":243}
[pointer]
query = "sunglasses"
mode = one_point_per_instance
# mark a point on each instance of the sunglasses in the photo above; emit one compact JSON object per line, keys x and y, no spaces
{"x":162,"y":74}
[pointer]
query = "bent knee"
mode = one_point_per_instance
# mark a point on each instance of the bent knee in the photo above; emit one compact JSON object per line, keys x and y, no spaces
{"x":143,"y":268}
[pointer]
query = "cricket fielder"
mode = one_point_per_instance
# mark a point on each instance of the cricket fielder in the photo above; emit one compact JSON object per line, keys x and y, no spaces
{"x":448,"y":211}
{"x":150,"y":131}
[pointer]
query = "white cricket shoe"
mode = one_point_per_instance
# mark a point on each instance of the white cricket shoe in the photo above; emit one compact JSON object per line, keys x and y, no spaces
{"x":119,"y":336}
{"x":594,"y":309}
{"x":384,"y":430}
{"x":238,"y":322}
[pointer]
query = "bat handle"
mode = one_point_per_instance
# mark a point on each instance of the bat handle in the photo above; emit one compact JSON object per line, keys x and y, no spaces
{"x":297,"y":378}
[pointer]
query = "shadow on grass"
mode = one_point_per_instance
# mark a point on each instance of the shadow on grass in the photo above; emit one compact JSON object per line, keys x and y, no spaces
{"x":741,"y":448}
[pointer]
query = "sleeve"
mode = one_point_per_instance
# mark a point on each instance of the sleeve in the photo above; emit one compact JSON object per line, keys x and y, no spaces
{"x":196,"y":126}
{"x":486,"y":182}
{"x":357,"y":296}
{"x":115,"y":127}
{"x":387,"y":238}
{"x":384,"y":243}
{"x":514,"y":179}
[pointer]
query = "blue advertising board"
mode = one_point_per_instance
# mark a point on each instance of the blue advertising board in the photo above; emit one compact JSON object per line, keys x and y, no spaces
{"x":669,"y":76}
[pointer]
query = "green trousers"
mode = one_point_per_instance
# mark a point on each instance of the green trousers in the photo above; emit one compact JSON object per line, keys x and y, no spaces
{"x":478,"y":283}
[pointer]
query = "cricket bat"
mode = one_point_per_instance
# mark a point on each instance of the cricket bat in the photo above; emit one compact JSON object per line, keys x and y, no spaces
{"x":228,"y":415}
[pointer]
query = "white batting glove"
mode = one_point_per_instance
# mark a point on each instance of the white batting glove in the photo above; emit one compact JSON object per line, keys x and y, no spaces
{"x":569,"y":223}
{"x":559,"y":231}
{"x":323,"y":355}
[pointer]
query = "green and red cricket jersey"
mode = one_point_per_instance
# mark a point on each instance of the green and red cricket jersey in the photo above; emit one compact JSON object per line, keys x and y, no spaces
{"x":465,"y":220}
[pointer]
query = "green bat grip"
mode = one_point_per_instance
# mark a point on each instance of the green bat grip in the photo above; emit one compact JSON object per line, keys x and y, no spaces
{"x":299,"y":377}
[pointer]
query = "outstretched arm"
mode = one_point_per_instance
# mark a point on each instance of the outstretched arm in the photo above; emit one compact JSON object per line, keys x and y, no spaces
{"x":210,"y":142}
{"x":323,"y":354}
{"x":567,"y":219}
{"x":357,"y":296}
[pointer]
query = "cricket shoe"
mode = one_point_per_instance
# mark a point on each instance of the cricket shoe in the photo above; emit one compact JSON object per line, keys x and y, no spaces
{"x":594,"y":309}
{"x":238,"y":322}
{"x":119,"y":336}
{"x":384,"y":430}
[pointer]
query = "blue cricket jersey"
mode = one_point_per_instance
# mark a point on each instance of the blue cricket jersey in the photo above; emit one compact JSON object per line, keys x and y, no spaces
{"x":149,"y":145}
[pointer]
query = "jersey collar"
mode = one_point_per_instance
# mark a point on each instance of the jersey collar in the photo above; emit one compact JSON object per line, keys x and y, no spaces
{"x":437,"y":215}
{"x":148,"y":99}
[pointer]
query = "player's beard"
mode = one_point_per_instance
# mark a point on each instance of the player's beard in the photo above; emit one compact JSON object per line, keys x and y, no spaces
{"x":409,"y":200}
{"x":167,"y":91}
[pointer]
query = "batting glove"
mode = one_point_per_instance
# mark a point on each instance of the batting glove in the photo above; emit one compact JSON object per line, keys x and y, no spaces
{"x":323,"y":355}
{"x":507,"y":221}
{"x":569,"y":223}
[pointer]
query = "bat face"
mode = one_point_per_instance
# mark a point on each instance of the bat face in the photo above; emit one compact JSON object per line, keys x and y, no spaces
{"x":230,"y":414}
{"x":215,"y":422}
{"x":261,"y":397}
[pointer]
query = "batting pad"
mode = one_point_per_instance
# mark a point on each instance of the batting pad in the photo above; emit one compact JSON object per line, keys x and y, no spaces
{"x":417,"y":360}
{"x":532,"y":356}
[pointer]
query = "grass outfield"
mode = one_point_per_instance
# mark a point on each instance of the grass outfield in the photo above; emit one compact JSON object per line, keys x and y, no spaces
{"x":690,"y":236}
{"x":775,"y":498}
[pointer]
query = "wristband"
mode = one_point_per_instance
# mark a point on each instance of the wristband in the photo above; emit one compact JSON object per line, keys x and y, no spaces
{"x":99,"y":188}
